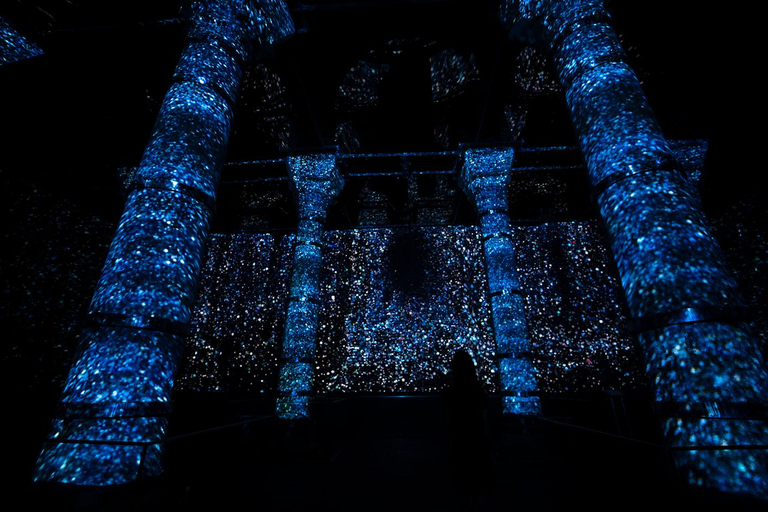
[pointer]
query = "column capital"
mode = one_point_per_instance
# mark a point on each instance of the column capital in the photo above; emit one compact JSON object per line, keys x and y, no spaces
{"x":484,"y":177}
{"x":316,"y":181}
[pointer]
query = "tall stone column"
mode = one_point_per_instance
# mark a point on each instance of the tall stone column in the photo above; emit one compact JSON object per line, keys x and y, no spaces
{"x":709,"y":379}
{"x":111,"y":421}
{"x":316,"y":182}
{"x":485,"y":178}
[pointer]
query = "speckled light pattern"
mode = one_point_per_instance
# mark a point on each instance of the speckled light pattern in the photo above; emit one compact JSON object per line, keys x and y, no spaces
{"x":233,"y":342}
{"x":360,"y":86}
{"x":145,"y":294}
{"x":154,"y":260}
{"x":100,"y":447}
{"x":667,"y":259}
{"x":575,"y":310}
{"x":14,"y":47}
{"x":513,"y":11}
{"x":397,"y":303}
{"x":485,"y":179}
{"x":316,"y":181}
{"x":664,"y":250}
{"x":450,"y":72}
{"x":75,"y":463}
{"x":738,"y":470}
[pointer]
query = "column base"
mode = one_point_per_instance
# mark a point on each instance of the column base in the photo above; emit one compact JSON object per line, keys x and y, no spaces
{"x":91,"y":463}
{"x":521,"y":405}
{"x":292,"y":407}
{"x":720,"y":453}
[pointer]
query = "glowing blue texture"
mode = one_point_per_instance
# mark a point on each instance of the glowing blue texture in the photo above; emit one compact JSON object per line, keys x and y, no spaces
{"x":144,"y":297}
{"x":190,"y":136}
{"x":75,"y":463}
{"x":266,"y":22}
{"x":704,"y":362}
{"x":154,"y":260}
{"x":397,"y":303}
{"x":316,"y":182}
{"x":665,"y":253}
{"x":108,"y":433}
{"x":678,"y":289}
{"x":733,"y":467}
{"x":123,"y":366}
{"x":485,"y":179}
{"x":513,"y":11}
{"x":521,"y":405}
{"x":13,"y":46}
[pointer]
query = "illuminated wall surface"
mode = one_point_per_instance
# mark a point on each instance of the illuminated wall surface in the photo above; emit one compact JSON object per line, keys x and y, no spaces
{"x":396,"y":304}
{"x":14,"y":47}
{"x":238,"y":318}
{"x":113,"y":411}
{"x":680,"y":295}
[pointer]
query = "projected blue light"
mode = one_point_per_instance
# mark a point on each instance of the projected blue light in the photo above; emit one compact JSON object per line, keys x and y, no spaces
{"x":14,"y":47}
{"x":514,"y":11}
{"x":397,"y":303}
{"x":121,"y":381}
{"x":154,"y":260}
{"x":316,"y":182}
{"x":114,"y":408}
{"x":733,"y":466}
{"x":485,"y":178}
{"x":680,"y":294}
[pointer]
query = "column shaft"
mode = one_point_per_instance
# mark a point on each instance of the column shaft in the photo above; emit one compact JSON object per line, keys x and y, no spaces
{"x":114,"y":408}
{"x":706,"y":370}
{"x":485,"y":178}
{"x":316,"y":182}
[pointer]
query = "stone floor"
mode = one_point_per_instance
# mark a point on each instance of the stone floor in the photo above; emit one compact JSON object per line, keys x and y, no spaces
{"x":382,"y":454}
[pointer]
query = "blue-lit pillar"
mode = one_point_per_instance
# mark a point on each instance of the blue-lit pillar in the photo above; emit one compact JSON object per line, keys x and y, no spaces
{"x":112,"y":416}
{"x":316,"y":182}
{"x":709,"y":379}
{"x":485,"y":179}
{"x":14,"y":47}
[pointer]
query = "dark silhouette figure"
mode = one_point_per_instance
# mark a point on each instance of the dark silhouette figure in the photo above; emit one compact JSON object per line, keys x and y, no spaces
{"x":472,"y":465}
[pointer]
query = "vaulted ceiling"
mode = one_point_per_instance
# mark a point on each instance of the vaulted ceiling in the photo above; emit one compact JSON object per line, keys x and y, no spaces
{"x":397,"y":87}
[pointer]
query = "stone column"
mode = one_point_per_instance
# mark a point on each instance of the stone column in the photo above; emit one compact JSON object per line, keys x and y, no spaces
{"x":485,"y":179}
{"x":111,"y":421}
{"x":316,"y":182}
{"x":709,"y":379}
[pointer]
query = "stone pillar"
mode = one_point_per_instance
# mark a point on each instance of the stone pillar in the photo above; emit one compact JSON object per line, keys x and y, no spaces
{"x":111,"y":421}
{"x":485,"y":179}
{"x":316,"y":182}
{"x":709,"y":379}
